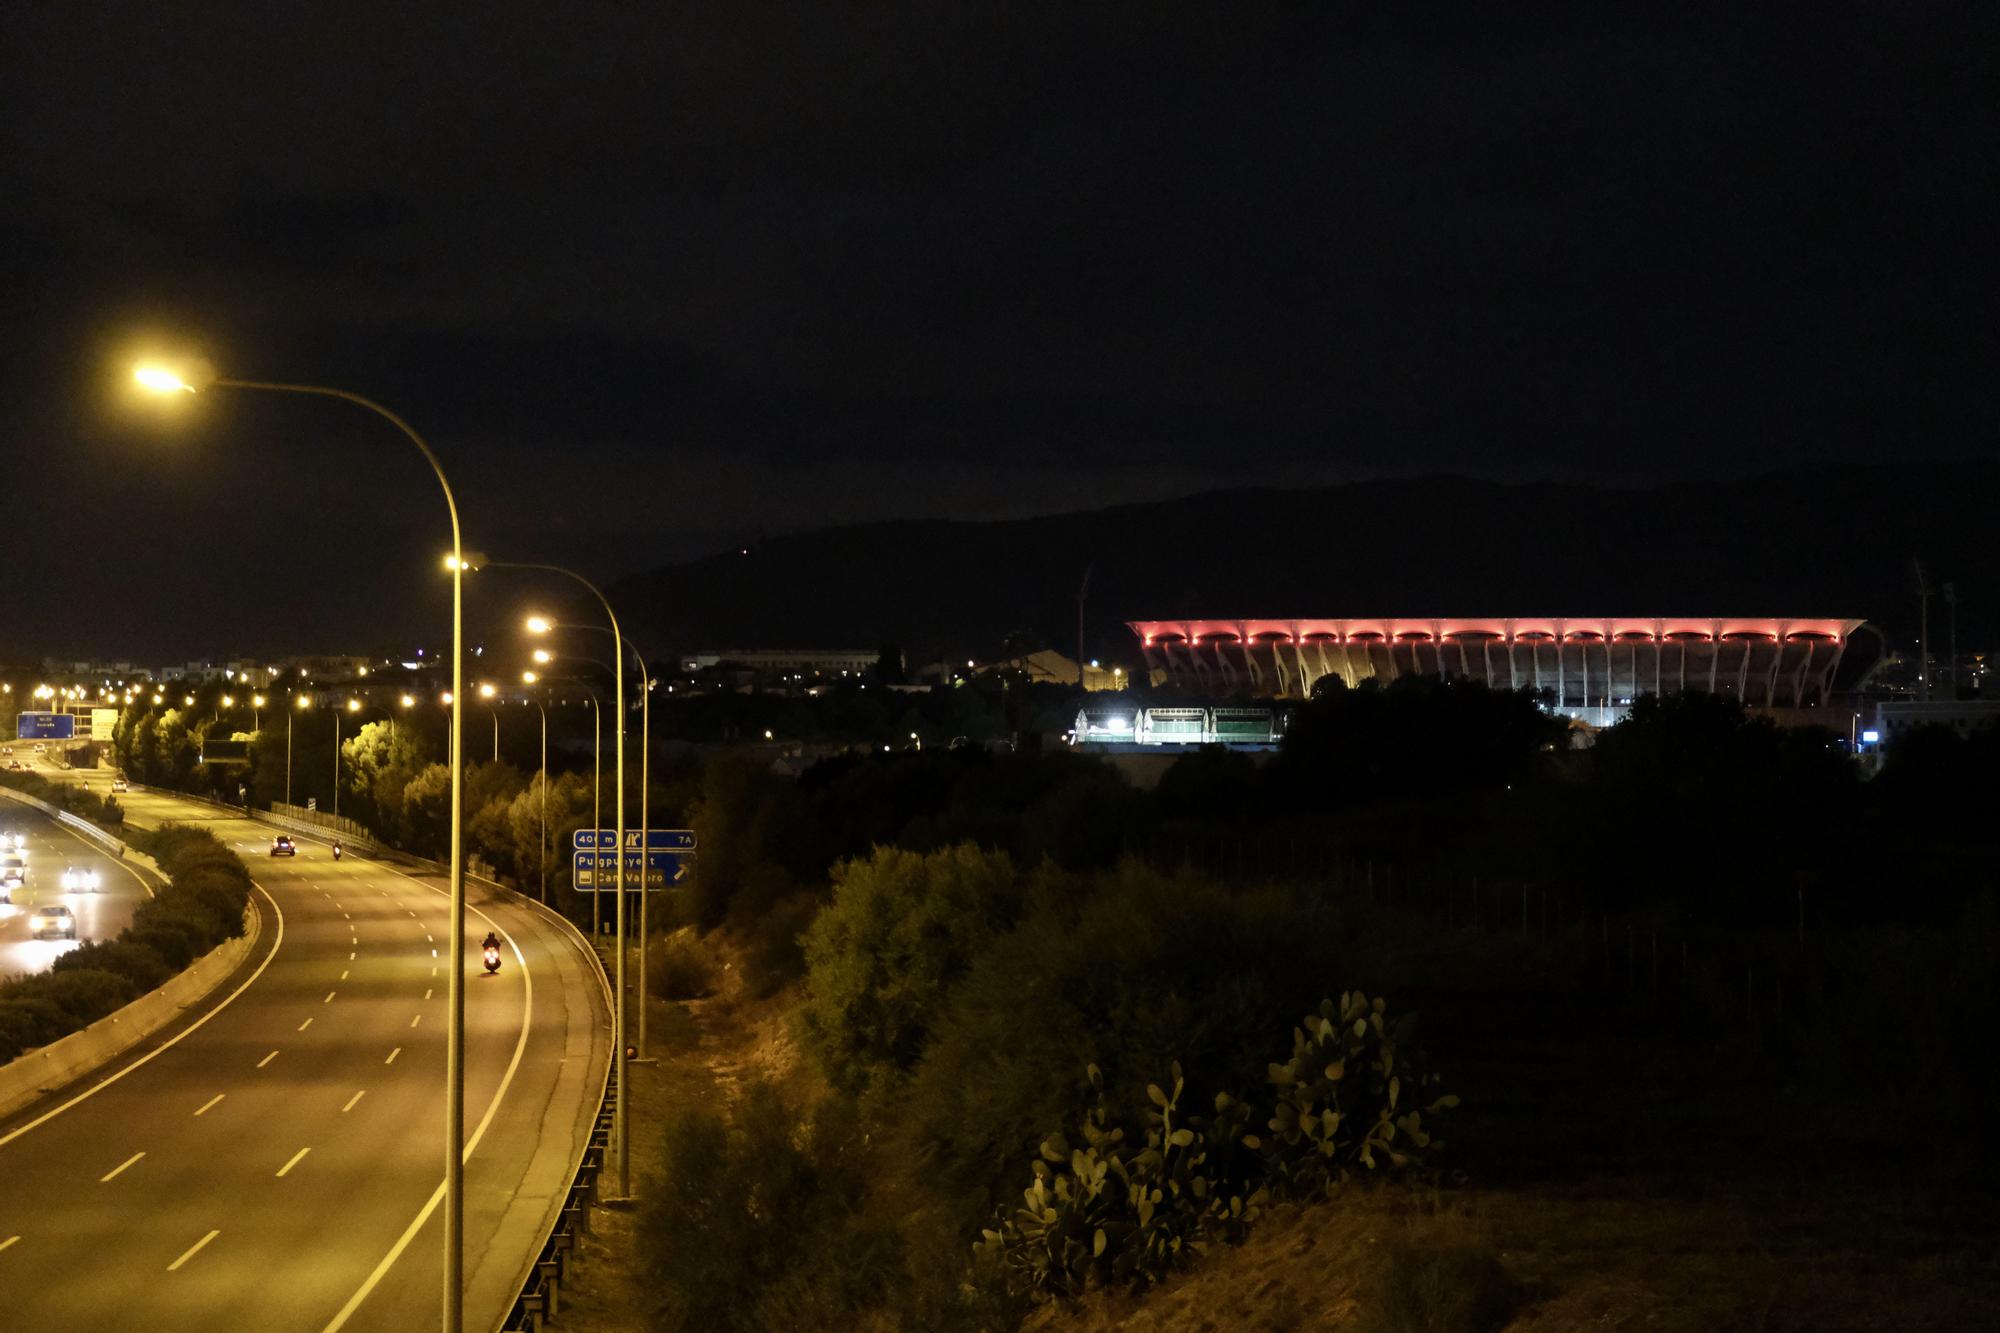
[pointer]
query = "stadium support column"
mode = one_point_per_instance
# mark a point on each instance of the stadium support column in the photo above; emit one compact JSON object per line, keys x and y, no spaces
{"x":1714,"y":653}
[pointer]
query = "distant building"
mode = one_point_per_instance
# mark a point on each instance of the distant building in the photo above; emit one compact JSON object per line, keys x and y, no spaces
{"x":824,"y":661}
{"x":1052,"y":668}
{"x":1964,"y":716}
{"x":1591,"y":667}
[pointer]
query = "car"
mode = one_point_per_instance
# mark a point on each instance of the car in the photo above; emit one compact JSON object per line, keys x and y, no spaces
{"x":10,"y":880}
{"x":283,"y":846}
{"x":120,"y":786}
{"x":79,"y":881}
{"x":52,"y":919}
{"x":14,"y":766}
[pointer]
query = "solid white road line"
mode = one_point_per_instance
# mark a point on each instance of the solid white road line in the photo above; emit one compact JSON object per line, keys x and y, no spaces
{"x":351,"y":1100}
{"x":212,"y":1101}
{"x":115,"y":1171}
{"x":267,"y":1059}
{"x":295,"y":1160}
{"x":193,"y":1250}
{"x":303,"y":1026}
{"x":492,"y":1109}
{"x":96,"y":1088}
{"x":392,"y":1056}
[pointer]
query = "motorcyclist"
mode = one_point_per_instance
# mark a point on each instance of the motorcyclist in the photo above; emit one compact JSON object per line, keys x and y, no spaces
{"x":492,"y":941}
{"x":336,"y":849}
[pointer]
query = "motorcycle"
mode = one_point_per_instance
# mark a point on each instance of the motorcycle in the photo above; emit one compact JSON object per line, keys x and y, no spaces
{"x":492,"y":959}
{"x":336,"y":851}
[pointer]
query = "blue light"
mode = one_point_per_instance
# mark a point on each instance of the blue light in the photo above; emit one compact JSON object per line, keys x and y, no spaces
{"x":1871,"y":737}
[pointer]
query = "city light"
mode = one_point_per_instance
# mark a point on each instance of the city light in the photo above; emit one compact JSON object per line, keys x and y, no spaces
{"x":353,"y":705}
{"x":487,"y":690}
{"x":539,"y":624}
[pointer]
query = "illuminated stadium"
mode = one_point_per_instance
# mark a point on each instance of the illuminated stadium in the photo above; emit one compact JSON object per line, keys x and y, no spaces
{"x":1591,"y":667}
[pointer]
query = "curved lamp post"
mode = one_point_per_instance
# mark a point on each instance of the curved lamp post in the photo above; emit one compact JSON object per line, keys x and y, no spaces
{"x":460,"y":561}
{"x":194,"y":378}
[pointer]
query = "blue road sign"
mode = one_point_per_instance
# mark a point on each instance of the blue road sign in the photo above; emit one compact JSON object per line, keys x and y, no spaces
{"x":597,"y":872}
{"x":62,"y":727}
{"x":658,"y":840}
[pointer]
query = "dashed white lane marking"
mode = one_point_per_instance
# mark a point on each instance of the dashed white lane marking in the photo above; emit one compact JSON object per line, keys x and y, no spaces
{"x":432,"y":938}
{"x":118,"y":1170}
{"x":303,"y":1026}
{"x":354,"y":939}
{"x":418,"y":1019}
{"x":329,"y":997}
{"x":346,"y":917}
{"x":267,"y":1059}
{"x":412,"y":913}
{"x":9,"y":1241}
{"x":212,"y":1101}
{"x":434,"y":953}
{"x":351,"y":1100}
{"x":434,"y":971}
{"x":193,"y":1250}
{"x":296,"y":1158}
{"x":427,"y":992}
{"x":343,"y":974}
{"x":350,"y":957}
{"x":392,"y":1056}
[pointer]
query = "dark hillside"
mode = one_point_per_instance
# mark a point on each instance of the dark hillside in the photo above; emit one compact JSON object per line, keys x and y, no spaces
{"x":1831,"y":541}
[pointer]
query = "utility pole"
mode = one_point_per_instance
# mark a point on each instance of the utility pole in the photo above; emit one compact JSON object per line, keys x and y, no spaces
{"x":1951,"y":601}
{"x":1923,"y":631}
{"x":1083,"y":590}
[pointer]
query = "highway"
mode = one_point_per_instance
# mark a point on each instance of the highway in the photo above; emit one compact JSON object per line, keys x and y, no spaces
{"x":275,"y":1160}
{"x":51,"y":849}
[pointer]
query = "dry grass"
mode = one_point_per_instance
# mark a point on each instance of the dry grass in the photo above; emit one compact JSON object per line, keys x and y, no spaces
{"x":705,"y":1051}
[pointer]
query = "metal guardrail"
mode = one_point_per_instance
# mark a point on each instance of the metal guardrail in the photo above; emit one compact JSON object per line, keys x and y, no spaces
{"x":539,"y":1302}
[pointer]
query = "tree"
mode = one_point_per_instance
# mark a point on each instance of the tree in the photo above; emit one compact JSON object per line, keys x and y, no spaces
{"x":901,"y":930}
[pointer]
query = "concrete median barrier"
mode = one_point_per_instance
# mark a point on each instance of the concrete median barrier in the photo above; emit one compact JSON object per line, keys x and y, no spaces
{"x":47,"y":1068}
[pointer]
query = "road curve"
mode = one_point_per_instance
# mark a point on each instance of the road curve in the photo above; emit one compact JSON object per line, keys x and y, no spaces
{"x":274,"y":1160}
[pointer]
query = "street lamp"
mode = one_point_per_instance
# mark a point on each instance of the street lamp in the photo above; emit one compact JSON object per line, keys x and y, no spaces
{"x":541,"y":625}
{"x":302,"y":701}
{"x":197,"y":376}
{"x":645,"y":787}
{"x":257,"y":713}
{"x":486,"y":692}
{"x":529,"y":678}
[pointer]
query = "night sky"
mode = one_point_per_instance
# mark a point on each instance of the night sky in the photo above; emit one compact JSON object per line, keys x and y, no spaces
{"x":657,"y":280}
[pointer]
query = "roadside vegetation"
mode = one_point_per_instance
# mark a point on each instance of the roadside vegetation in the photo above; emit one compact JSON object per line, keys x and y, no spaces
{"x":201,"y":906}
{"x":1036,"y":1045}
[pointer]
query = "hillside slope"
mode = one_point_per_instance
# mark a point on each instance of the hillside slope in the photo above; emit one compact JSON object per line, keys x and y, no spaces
{"x":1835,"y":541}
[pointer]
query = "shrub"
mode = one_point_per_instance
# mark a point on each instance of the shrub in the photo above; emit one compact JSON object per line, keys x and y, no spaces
{"x":1456,"y":1287}
{"x":1149,"y":970}
{"x":1100,"y":1213}
{"x":1341,"y":1100}
{"x":86,"y":995}
{"x":758,"y":1225}
{"x":901,"y":929}
{"x":774,"y":955}
{"x":172,"y":940}
{"x":138,"y":963}
{"x":682,"y":968}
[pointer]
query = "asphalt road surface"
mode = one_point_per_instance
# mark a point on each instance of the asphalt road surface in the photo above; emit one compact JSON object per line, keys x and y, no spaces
{"x":275,"y":1160}
{"x":51,"y":849}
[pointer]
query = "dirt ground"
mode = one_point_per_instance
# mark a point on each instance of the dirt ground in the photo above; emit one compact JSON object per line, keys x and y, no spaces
{"x":704,"y":1051}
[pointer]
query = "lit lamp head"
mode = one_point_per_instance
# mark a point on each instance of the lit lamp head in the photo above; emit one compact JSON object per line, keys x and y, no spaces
{"x":303,"y":701}
{"x":529,"y":678}
{"x":174,"y":377}
{"x":256,"y":701}
{"x":409,"y":701}
{"x":487,"y":691}
{"x":543,"y":657}
{"x":229,"y":701}
{"x":540,"y":624}
{"x":353,"y":705}
{"x":471,"y":562}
